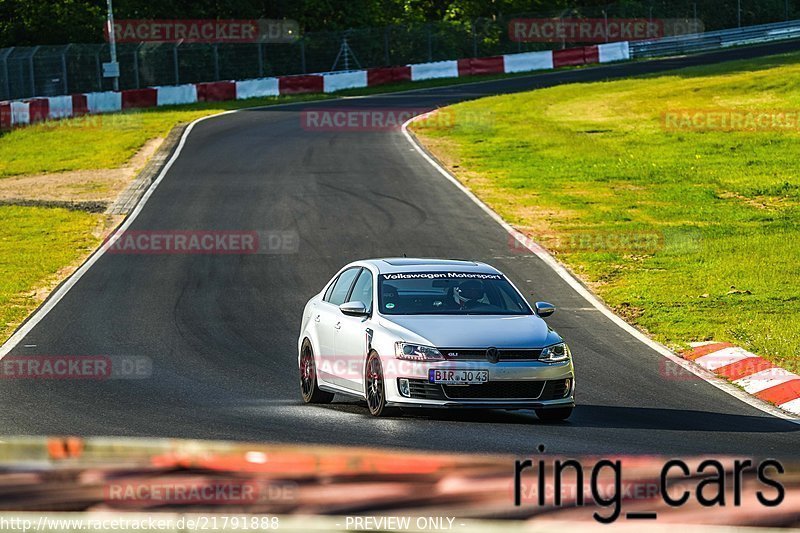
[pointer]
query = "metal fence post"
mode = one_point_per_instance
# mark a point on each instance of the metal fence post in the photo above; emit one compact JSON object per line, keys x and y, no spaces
{"x":386,"y":45}
{"x":99,"y":73}
{"x":65,"y":82}
{"x":215,"y":48}
{"x":175,"y":61}
{"x":260,"y":60}
{"x":739,"y":13}
{"x":6,"y":81}
{"x":136,"y":66}
{"x":33,"y":71}
{"x":430,"y":42}
{"x":474,"y":41}
{"x":303,"y":55}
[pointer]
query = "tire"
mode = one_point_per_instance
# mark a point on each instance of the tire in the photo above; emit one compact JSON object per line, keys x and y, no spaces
{"x":374,"y":386}
{"x":308,"y":378}
{"x":554,"y":415}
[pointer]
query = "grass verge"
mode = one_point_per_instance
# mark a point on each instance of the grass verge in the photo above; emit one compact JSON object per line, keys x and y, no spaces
{"x":108,"y":141}
{"x":690,"y":232}
{"x":40,"y":246}
{"x":37,"y":246}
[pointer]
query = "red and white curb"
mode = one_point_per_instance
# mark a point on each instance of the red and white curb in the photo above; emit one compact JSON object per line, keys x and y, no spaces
{"x":708,"y":376}
{"x":754,"y":374}
{"x":33,"y":110}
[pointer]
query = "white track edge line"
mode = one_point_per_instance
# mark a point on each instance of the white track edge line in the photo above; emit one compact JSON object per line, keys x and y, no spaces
{"x":549,"y":260}
{"x":55,"y":297}
{"x":578,"y":287}
{"x":70,"y":282}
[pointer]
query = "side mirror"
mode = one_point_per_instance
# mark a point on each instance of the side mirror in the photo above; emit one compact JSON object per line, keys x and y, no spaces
{"x":354,"y":309}
{"x":544,"y":309}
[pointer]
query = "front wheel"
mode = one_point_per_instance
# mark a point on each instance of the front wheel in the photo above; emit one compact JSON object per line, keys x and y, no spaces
{"x":554,"y":415}
{"x":374,"y":385}
{"x":308,"y":379}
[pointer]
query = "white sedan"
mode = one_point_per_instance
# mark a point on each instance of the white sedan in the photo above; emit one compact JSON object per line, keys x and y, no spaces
{"x":404,"y":332}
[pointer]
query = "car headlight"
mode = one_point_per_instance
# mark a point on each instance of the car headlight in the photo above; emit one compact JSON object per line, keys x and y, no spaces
{"x":555,"y":353}
{"x":416,"y":352}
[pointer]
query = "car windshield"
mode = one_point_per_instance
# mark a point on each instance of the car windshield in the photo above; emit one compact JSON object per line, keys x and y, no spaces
{"x":449,"y":293}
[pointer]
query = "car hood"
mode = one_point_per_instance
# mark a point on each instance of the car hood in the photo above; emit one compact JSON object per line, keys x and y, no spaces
{"x":472,"y":331}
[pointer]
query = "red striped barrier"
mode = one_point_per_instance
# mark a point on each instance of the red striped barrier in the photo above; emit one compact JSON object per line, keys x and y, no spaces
{"x":217,"y":91}
{"x":79,"y":105}
{"x":480,"y":66}
{"x":38,"y":110}
{"x":591,"y":54}
{"x":5,"y":116}
{"x":109,"y":101}
{"x":401,"y":74}
{"x":382,"y":76}
{"x":743,"y":368}
{"x":379,"y":76}
{"x":607,"y":53}
{"x":569,"y":57}
{"x":300,"y":84}
{"x":700,"y":351}
{"x":754,"y":374}
{"x":135,"y":98}
{"x":781,"y":394}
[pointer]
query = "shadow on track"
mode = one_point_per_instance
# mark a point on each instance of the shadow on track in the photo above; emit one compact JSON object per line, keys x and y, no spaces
{"x":593,"y":416}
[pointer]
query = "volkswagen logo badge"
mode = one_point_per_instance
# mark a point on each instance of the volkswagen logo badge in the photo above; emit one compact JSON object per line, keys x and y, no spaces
{"x":491,"y":355}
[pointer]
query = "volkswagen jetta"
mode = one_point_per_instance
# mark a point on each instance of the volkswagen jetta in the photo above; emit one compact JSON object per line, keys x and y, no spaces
{"x":432,"y":333}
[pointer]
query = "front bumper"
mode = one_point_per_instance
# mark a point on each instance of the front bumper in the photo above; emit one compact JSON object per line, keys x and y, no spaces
{"x":511,"y":385}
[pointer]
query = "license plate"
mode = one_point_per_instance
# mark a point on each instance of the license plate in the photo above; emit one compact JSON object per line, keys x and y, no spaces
{"x":458,"y":377}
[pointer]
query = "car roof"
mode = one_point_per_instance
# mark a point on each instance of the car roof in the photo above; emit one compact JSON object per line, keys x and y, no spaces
{"x":416,"y":264}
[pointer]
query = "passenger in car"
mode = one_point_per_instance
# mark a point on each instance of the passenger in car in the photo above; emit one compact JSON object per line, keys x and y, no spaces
{"x":470,"y":293}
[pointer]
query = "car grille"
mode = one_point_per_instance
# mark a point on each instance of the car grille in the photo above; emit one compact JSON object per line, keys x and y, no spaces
{"x":494,"y":390}
{"x":479,"y":354}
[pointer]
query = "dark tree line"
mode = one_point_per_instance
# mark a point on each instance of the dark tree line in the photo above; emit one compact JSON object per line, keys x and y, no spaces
{"x":31,"y":22}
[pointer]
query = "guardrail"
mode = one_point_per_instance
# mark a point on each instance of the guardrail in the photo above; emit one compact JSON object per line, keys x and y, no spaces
{"x":715,"y":40}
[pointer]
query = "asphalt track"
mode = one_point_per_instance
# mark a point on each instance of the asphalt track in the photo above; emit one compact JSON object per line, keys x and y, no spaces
{"x":221,"y":329}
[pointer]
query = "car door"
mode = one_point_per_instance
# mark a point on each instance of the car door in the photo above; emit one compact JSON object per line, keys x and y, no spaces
{"x":350,"y":338}
{"x":327,"y":317}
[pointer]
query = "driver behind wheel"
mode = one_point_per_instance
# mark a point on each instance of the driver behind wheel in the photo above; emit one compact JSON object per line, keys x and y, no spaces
{"x":470,"y":293}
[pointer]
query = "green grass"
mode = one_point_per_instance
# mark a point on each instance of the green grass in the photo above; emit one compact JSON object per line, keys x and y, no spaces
{"x":102,"y":141}
{"x":108,"y":141}
{"x":596,"y":159}
{"x":35,"y":245}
